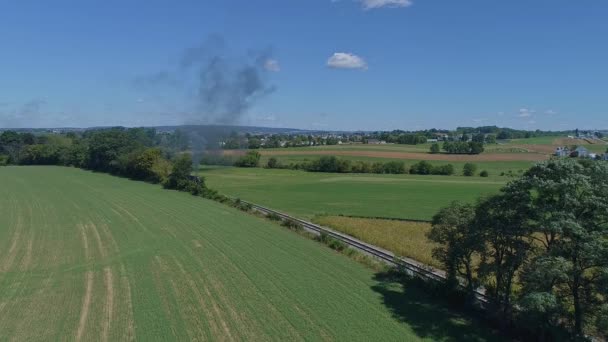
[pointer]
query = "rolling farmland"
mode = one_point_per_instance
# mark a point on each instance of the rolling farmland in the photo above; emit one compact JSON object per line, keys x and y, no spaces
{"x":306,"y":194}
{"x":87,"y":256}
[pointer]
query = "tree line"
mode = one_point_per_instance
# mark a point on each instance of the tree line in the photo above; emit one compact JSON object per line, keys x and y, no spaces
{"x":459,"y":147}
{"x":539,"y":248}
{"x":136,"y":153}
{"x":332,"y":164}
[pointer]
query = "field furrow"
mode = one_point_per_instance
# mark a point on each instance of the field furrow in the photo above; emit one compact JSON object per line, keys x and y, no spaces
{"x":91,"y":257}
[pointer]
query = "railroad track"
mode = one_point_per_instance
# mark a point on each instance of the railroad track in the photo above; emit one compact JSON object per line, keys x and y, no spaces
{"x":411,"y":266}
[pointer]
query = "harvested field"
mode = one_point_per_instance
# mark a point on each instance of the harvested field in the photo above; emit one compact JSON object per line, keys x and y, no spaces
{"x":404,"y":155}
{"x":87,"y":256}
{"x":404,"y":238}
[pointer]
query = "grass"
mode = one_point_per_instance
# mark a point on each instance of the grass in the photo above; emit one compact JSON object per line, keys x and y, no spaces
{"x":306,"y":194}
{"x":87,"y":256}
{"x":404,"y":238}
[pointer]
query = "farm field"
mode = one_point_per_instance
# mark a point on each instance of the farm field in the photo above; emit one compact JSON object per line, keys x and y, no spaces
{"x":404,"y":238}
{"x":86,"y":256}
{"x":509,"y":156}
{"x":307,"y":194}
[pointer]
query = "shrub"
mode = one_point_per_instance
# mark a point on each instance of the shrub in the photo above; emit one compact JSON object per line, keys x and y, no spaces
{"x":273,"y":163}
{"x":484,"y":173}
{"x":250,"y":159}
{"x":394,"y":167}
{"x":293,"y":225}
{"x":422,"y":168}
{"x":361,"y":167}
{"x":469,"y":169}
{"x":435,"y":148}
{"x":445,"y":170}
{"x":3,"y":160}
{"x":273,"y":217}
{"x":331,"y":242}
{"x":377,"y":167}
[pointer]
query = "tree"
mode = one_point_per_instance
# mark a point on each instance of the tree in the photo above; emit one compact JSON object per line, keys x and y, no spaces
{"x":254,"y":143}
{"x":182,"y":167}
{"x":141,"y":165}
{"x":491,"y":139}
{"x":501,"y":223}
{"x":10,"y":145}
{"x":469,"y":169}
{"x":453,"y":231}
{"x":503,"y":135}
{"x":570,"y":216}
{"x":475,"y":147}
{"x":181,"y":176}
{"x":479,"y":138}
{"x":435,"y":148}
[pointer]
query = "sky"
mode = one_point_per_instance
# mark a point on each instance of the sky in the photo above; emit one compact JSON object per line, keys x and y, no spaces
{"x":309,"y":64}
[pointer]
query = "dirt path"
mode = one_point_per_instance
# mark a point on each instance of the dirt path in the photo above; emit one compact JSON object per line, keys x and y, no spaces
{"x":86,"y":303}
{"x":109,"y":303}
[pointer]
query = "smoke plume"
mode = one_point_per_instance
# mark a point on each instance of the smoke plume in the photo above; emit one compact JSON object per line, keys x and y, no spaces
{"x":220,"y":86}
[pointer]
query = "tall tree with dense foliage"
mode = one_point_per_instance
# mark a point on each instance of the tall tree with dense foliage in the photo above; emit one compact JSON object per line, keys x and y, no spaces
{"x":570,"y":216}
{"x":501,"y":223}
{"x":454,"y":232}
{"x":542,"y":246}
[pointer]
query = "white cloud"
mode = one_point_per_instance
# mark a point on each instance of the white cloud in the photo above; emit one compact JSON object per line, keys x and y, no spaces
{"x":372,"y":4}
{"x":525,"y":113}
{"x":272,"y":65}
{"x":344,"y":60}
{"x":550,"y":112}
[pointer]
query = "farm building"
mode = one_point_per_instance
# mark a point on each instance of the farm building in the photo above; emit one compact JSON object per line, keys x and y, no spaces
{"x":376,"y":142}
{"x":581,"y":152}
{"x":562,"y":152}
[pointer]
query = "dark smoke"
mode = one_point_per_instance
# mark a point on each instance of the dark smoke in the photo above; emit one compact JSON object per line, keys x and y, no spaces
{"x":220,"y":86}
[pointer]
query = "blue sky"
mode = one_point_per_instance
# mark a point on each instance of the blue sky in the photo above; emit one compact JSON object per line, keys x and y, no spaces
{"x":322,"y":64}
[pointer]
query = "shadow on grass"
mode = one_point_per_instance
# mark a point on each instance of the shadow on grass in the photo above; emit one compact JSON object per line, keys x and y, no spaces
{"x":428,"y":316}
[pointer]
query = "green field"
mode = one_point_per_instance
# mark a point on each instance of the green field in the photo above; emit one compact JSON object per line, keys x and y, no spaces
{"x":306,"y":194}
{"x":86,"y":256}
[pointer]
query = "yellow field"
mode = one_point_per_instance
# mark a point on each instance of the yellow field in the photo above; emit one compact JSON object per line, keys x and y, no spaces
{"x":404,"y":238}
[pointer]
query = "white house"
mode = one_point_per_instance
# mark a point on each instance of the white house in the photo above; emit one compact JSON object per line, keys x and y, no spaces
{"x":562,"y":152}
{"x":581,"y":152}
